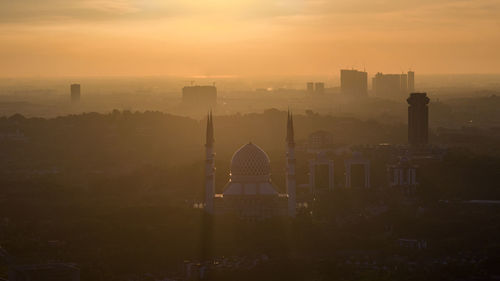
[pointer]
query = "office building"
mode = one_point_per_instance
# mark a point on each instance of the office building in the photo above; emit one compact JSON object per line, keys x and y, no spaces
{"x":319,"y":141}
{"x":353,"y":83}
{"x":411,"y":81}
{"x":316,"y":88}
{"x":357,"y":171}
{"x":393,"y":85}
{"x":310,"y":87}
{"x":319,"y":88}
{"x":403,"y":176}
{"x":418,"y":119}
{"x":75,"y":92}
{"x":404,"y":84}
{"x":321,"y":174}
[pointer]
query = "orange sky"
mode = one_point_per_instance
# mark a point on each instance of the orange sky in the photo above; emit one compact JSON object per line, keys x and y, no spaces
{"x":247,"y":37}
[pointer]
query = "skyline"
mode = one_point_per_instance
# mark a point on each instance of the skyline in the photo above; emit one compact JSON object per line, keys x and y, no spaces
{"x":246,"y":38}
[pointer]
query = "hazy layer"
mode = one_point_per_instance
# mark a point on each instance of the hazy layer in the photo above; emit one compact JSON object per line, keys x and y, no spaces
{"x":246,"y":37}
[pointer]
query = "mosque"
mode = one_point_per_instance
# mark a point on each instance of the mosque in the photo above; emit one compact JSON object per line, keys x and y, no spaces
{"x":250,"y":193}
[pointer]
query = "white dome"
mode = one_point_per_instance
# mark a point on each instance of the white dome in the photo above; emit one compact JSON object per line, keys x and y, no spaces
{"x":250,"y":161}
{"x":250,"y":172}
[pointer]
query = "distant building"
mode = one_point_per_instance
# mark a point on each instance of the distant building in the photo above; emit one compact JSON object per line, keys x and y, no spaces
{"x":411,"y":81}
{"x":310,"y":87}
{"x":404,"y":84}
{"x":321,"y":174}
{"x":319,"y":88}
{"x":320,"y":141}
{"x":75,"y":92}
{"x":393,"y":85}
{"x":357,"y":171}
{"x":353,"y":83}
{"x":315,"y":88}
{"x":45,"y":272}
{"x":403,"y":176}
{"x":418,"y":119}
{"x":200,"y":96}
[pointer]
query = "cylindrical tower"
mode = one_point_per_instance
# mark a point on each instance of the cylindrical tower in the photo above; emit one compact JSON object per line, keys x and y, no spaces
{"x":418,"y":119}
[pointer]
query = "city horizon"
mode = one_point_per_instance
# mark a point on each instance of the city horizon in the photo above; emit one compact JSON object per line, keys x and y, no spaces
{"x":223,"y":140}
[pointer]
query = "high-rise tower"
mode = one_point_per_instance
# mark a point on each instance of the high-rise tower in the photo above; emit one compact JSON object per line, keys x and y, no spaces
{"x":418,"y":119}
{"x":290,"y":167}
{"x":411,"y":81}
{"x":209,"y":166}
{"x":75,"y":92}
{"x":353,"y":83}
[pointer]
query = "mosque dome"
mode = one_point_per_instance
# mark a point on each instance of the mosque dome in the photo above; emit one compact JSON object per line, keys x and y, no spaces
{"x":250,"y":161}
{"x":250,"y":173}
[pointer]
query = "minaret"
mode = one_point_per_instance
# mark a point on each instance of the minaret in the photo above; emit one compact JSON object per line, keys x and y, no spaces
{"x":290,"y":167}
{"x":209,"y":166}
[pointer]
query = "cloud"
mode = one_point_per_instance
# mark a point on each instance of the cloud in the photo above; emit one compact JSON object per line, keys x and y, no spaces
{"x":57,"y":11}
{"x":149,"y":36}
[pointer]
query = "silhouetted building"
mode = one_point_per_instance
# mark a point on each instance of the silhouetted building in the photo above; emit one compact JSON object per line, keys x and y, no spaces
{"x":199,"y":96}
{"x":357,"y":171}
{"x":353,"y":82}
{"x":385,"y":85}
{"x":45,"y":272}
{"x":320,"y":141}
{"x":75,"y":92}
{"x":310,"y":87}
{"x":250,"y":193}
{"x":411,"y":81}
{"x":319,"y":88}
{"x":321,"y":174}
{"x":315,"y":88}
{"x":392,"y":85}
{"x":403,"y":176}
{"x":404,"y":84}
{"x":418,"y":119}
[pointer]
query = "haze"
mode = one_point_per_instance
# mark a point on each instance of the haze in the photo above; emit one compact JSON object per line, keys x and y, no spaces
{"x":223,"y":38}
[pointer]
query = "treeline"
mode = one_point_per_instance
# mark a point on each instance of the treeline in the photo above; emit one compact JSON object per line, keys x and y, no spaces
{"x":123,"y":140}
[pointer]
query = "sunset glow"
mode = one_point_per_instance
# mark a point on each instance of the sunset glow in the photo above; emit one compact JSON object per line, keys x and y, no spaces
{"x":188,"y":37}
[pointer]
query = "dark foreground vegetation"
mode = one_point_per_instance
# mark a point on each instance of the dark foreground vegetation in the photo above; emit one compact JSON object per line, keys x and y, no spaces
{"x":114,"y":193}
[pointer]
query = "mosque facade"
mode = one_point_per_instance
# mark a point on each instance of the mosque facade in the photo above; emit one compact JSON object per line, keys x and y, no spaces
{"x":250,"y":193}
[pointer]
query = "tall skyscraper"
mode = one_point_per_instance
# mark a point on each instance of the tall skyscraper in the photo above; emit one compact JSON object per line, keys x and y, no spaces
{"x":387,"y":85}
{"x":411,"y":81}
{"x":404,"y":84}
{"x":418,"y":119}
{"x":353,"y":82}
{"x":75,"y":92}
